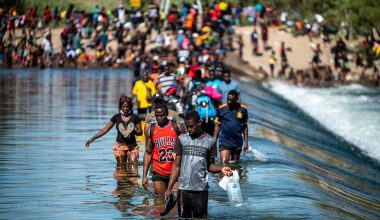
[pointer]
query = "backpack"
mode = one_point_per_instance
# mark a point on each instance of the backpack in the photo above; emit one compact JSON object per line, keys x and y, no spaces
{"x":205,"y":108}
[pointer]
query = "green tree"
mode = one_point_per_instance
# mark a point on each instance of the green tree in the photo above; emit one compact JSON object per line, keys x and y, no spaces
{"x":363,"y":15}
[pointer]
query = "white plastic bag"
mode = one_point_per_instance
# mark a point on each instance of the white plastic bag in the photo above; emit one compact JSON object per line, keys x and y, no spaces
{"x":223,"y":182}
{"x":258,"y":155}
{"x":234,"y":193}
{"x":253,"y":154}
{"x":232,"y":186}
{"x":226,"y":179}
{"x":235,"y":176}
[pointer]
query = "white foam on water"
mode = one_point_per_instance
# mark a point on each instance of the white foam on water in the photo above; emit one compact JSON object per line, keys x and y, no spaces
{"x":352,"y":112}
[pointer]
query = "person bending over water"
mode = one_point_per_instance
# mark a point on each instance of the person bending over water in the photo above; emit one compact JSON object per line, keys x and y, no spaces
{"x":128,"y":125}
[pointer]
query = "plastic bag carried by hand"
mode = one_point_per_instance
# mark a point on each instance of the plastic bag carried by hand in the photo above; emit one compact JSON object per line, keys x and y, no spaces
{"x":226,"y":179}
{"x":232,"y":186}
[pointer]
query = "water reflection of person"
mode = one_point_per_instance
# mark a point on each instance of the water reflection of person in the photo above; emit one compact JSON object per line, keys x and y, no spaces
{"x":128,"y":125}
{"x":127,"y":181}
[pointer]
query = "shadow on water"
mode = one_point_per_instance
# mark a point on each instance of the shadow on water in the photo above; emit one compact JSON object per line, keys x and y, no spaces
{"x":46,"y":116}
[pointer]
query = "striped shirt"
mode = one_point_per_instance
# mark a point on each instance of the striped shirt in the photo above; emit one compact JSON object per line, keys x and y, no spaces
{"x":166,"y":81}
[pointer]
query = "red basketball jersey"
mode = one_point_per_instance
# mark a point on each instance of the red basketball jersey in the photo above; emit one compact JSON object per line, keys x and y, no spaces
{"x":163,"y":139}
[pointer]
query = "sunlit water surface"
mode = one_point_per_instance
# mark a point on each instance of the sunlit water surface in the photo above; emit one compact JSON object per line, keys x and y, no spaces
{"x":46,"y":116}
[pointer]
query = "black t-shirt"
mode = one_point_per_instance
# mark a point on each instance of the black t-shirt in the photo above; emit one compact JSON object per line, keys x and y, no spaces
{"x":130,"y":140}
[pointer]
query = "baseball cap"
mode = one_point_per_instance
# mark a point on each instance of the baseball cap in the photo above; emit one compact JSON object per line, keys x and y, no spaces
{"x":157,"y":97}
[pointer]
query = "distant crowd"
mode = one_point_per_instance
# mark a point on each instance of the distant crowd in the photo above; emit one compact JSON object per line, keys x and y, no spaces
{"x":122,"y":37}
{"x":26,"y":36}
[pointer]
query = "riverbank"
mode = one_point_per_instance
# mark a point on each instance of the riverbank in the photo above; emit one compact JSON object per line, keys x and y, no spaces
{"x":299,"y":57}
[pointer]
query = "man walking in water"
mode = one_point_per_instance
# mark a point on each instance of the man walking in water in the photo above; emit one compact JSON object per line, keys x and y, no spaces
{"x":232,"y":123}
{"x":195,"y":153}
{"x":159,"y":98}
{"x":227,"y":85}
{"x":161,"y":137}
{"x":143,"y":90}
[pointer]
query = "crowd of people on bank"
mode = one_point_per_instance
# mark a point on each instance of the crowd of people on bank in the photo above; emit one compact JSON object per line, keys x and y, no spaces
{"x":122,"y":37}
{"x":85,"y":37}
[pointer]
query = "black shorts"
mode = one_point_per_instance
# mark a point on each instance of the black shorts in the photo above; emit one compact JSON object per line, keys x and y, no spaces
{"x":159,"y":177}
{"x":232,"y":149}
{"x":141,"y":111}
{"x":192,"y":204}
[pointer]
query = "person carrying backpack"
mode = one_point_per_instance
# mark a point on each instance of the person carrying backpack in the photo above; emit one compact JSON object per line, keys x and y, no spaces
{"x":207,"y":112}
{"x":161,"y":137}
{"x":196,"y":85}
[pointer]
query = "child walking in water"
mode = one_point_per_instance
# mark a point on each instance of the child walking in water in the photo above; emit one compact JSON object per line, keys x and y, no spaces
{"x":128,"y":125}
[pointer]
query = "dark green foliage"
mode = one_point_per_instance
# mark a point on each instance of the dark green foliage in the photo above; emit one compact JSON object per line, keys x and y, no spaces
{"x":361,"y":15}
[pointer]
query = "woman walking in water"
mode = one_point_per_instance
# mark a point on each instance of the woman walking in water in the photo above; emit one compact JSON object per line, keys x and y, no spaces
{"x":128,"y":125}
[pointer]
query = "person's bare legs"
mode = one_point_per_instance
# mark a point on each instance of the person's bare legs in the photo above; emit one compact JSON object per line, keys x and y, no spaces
{"x":161,"y":186}
{"x":120,"y":157}
{"x":235,"y":155}
{"x":225,"y":156}
{"x":133,"y":156}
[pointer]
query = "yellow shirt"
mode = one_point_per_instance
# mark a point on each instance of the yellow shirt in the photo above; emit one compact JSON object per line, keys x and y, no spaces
{"x":272,"y":59}
{"x":199,"y":41}
{"x":99,"y":53}
{"x":223,"y":6}
{"x":141,"y":91}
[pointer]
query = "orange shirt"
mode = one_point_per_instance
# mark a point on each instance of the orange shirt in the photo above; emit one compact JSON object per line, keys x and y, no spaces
{"x":163,"y":139}
{"x":189,"y":21}
{"x":298,"y":25}
{"x":154,"y":77}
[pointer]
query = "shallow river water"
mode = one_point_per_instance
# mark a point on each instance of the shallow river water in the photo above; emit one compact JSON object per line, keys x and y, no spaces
{"x":46,"y":116}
